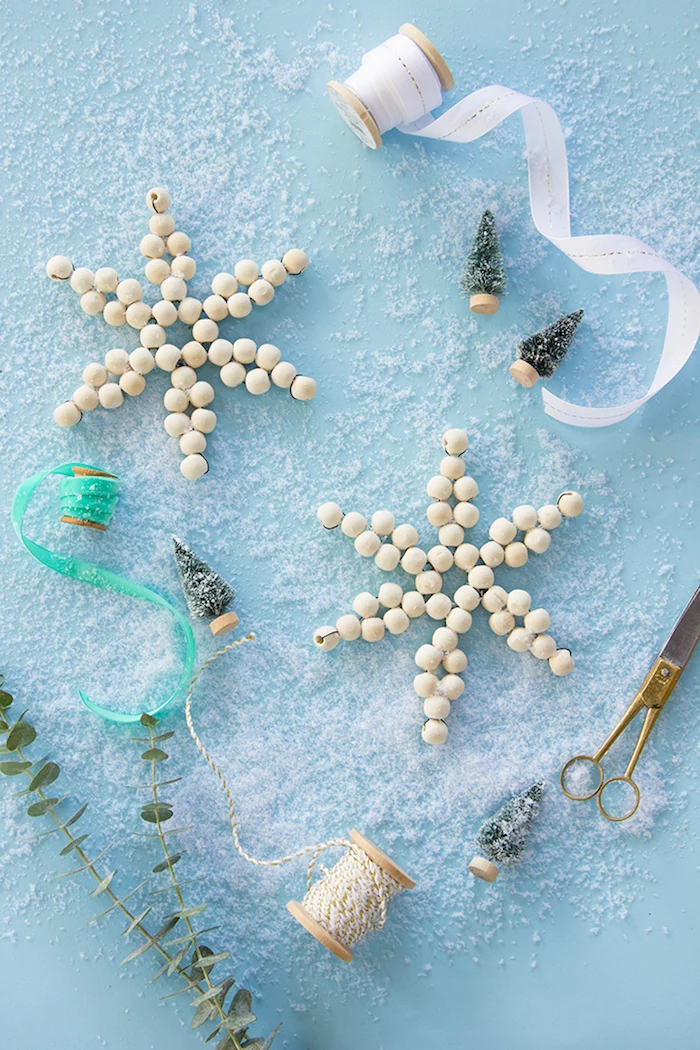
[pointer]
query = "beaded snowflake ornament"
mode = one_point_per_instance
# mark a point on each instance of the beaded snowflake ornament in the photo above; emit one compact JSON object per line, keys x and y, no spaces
{"x":189,"y":419}
{"x":451,"y":512}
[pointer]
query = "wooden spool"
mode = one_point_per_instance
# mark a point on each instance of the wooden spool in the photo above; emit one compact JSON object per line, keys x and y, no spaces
{"x":319,"y":932}
{"x":86,"y":472}
{"x":525,"y":374}
{"x":353,"y":110}
{"x":483,"y":869}
{"x":484,"y":303}
{"x":223,"y":624}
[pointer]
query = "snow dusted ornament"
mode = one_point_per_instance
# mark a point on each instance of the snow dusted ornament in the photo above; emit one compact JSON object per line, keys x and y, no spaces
{"x":452,"y":513}
{"x":120,"y":302}
{"x":484,"y":276}
{"x":503,"y":837}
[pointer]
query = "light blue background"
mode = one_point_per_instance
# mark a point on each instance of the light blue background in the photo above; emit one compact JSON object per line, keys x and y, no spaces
{"x":100,"y":101}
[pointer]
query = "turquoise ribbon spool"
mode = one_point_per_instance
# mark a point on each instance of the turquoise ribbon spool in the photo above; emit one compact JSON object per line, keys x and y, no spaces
{"x":88,"y":497}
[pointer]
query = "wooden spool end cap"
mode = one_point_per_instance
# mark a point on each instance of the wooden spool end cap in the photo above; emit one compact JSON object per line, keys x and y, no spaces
{"x":483,"y":303}
{"x":86,"y":524}
{"x":88,"y":472}
{"x":316,"y":930}
{"x":483,"y":869}
{"x":444,"y":73}
{"x":355,"y":114}
{"x":381,"y":860}
{"x":525,"y":374}
{"x":223,"y":624}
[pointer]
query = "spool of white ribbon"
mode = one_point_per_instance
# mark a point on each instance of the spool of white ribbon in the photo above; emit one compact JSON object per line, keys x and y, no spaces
{"x":397,"y":86}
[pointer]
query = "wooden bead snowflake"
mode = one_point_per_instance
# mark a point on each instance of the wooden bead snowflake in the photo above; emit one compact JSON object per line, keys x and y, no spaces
{"x":451,"y":512}
{"x":233,"y":295}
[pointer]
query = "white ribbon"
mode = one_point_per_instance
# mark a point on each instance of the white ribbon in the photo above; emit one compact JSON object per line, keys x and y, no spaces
{"x":397,"y":78}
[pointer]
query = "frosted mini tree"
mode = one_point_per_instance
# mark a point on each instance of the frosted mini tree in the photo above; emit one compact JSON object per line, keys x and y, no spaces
{"x":540,"y":354}
{"x":503,"y":837}
{"x":391,"y":544}
{"x":190,"y":419}
{"x":208,"y":595}
{"x":484,"y":277}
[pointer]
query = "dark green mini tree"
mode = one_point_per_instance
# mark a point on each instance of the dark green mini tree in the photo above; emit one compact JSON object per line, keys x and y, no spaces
{"x":540,"y":355}
{"x":503,"y":836}
{"x":484,"y":276}
{"x":207,"y":594}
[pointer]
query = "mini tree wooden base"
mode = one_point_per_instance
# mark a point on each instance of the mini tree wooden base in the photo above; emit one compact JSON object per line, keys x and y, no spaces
{"x":483,"y":303}
{"x":525,"y":374}
{"x":483,"y":869}
{"x":223,"y":624}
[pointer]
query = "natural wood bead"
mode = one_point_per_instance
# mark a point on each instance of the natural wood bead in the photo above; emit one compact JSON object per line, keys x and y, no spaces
{"x":132,"y":383}
{"x":239,"y":305}
{"x":390,"y":595}
{"x":458,"y":620}
{"x":274,"y":272}
{"x":283,"y":374}
{"x":203,"y":419}
{"x":116,"y":361}
{"x":95,"y":374}
{"x":175,"y":400}
{"x":164,"y":312}
{"x":244,"y":350}
{"x":455,"y":662}
{"x":176,"y":424}
{"x":194,"y":354}
{"x":467,"y":597}
{"x":373,"y":629}
{"x":189,"y":310}
{"x":220,"y":352}
{"x":365,"y":605}
{"x":193,"y":467}
{"x":201,"y":394}
{"x":516,"y":554}
{"x":168,"y":357}
{"x":349,"y":627}
{"x":303,"y":388}
{"x":561,"y":663}
{"x":261,"y":292}
{"x":59,"y":268}
{"x":483,"y":869}
{"x":178,"y":243}
{"x":158,"y":199}
{"x":444,"y":639}
{"x":246,"y":271}
{"x":439,"y":487}
{"x":142,"y":360}
{"x":330,"y":515}
{"x":451,"y":535}
{"x":524,"y":517}
{"x":455,"y":442}
{"x":502,"y":531}
{"x":183,"y":266}
{"x":428,"y":582}
{"x":174,"y":289}
{"x":225,"y":285}
{"x":257,"y":381}
{"x":110,"y":395}
{"x":383,"y":522}
{"x":570,"y":504}
{"x":452,"y":467}
{"x":438,"y":606}
{"x":82,"y":280}
{"x":404,"y":536}
{"x":466,"y":515}
{"x":93,"y":302}
{"x":114,"y":313}
{"x":129,"y":291}
{"x":106,"y":280}
{"x":543,"y":647}
{"x":434,"y":732}
{"x":353,"y":524}
{"x":152,"y":246}
{"x":152,"y":336}
{"x":492,"y":554}
{"x":519,"y":602}
{"x":162,"y":225}
{"x":480,"y":578}
{"x":537,"y":621}
{"x":425,"y":684}
{"x":439,"y":514}
{"x":413,"y":604}
{"x":387,"y":557}
{"x":85,"y":398}
{"x":215,"y":307}
{"x":413,"y":560}
{"x":183,"y":377}
{"x":465,"y":488}
{"x":502,"y":622}
{"x":295,"y":261}
{"x":451,"y":686}
{"x":549,"y":516}
{"x":519,"y":640}
{"x":156,"y":271}
{"x":396,"y":621}
{"x":67,"y":414}
{"x":537,"y":540}
{"x":138,"y":314}
{"x":367,"y":543}
{"x":205,"y":330}
{"x":436,"y":706}
{"x":326,"y":638}
{"x":267,"y":356}
{"x":440,"y":558}
{"x":494,"y":599}
{"x":428,"y":657}
{"x":232,"y":374}
{"x":466,"y":556}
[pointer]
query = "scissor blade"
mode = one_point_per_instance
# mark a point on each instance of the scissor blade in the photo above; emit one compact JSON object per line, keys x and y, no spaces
{"x":684,"y":636}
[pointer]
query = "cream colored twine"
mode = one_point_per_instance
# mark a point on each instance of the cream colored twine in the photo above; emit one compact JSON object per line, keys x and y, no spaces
{"x":350,"y":898}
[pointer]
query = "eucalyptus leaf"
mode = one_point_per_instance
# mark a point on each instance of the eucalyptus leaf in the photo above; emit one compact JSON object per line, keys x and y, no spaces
{"x":116,"y":903}
{"x":103,"y":884}
{"x":135,"y":921}
{"x":205,"y":952}
{"x":4,"y":727}
{"x":73,"y":844}
{"x":46,"y":775}
{"x":38,"y":809}
{"x":176,"y":960}
{"x":212,"y":960}
{"x":158,"y":784}
{"x":181,"y":991}
{"x":172,"y":889}
{"x":21,"y":734}
{"x":169,"y":862}
{"x":187,"y":913}
{"x":148,"y":720}
{"x":167,"y":926}
{"x":5,"y":699}
{"x":220,"y":991}
{"x":203,"y":1013}
{"x":154,"y":739}
{"x":271,"y":1038}
{"x":11,"y":769}
{"x":160,"y":972}
{"x":154,"y":754}
{"x":76,"y":816}
{"x":155,"y":812}
{"x":90,"y":863}
{"x":226,"y":1043}
{"x":141,"y":950}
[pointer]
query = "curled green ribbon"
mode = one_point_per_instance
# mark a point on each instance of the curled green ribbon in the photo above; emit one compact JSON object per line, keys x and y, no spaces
{"x":92,"y":498}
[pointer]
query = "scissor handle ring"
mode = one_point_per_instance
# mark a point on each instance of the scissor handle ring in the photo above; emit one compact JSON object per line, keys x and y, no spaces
{"x":562,"y":777}
{"x":613,"y":780}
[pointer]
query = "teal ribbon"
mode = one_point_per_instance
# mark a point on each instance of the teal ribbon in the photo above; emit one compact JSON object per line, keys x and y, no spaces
{"x":94,"y":498}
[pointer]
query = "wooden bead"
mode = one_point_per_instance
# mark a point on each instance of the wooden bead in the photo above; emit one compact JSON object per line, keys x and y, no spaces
{"x":183,"y":377}
{"x":367,"y":543}
{"x":373,"y":629}
{"x":434,"y":732}
{"x":152,"y":336}
{"x":413,"y":560}
{"x":204,"y":420}
{"x":516,"y":554}
{"x":428,"y":582}
{"x":232,"y":374}
{"x":492,"y":554}
{"x":519,"y":602}
{"x":132,"y":383}
{"x":451,"y":686}
{"x":168,"y":357}
{"x":110,"y":395}
{"x":295,"y":261}
{"x":570,"y":504}
{"x":59,"y":268}
{"x":129,"y":291}
{"x":390,"y":595}
{"x":524,"y":517}
{"x":267,"y":356}
{"x":330,"y":515}
{"x":502,"y":531}
{"x":175,"y":400}
{"x":201,"y":394}
{"x":67,"y":414}
{"x":106,"y":280}
{"x":436,"y":706}
{"x":549,"y":516}
{"x":303,"y":388}
{"x":156,"y":271}
{"x":425,"y":684}
{"x":466,"y":556}
{"x":537,"y":540}
{"x":439,"y":514}
{"x":176,"y":424}
{"x":451,"y":535}
{"x":215,"y":307}
{"x":274,"y":272}
{"x":194,"y":354}
{"x":455,"y":442}
{"x":244,"y":350}
{"x":283,"y":374}
{"x":82,"y":280}
{"x":480,"y":577}
{"x":537,"y":620}
{"x":465,"y":488}
{"x":483,"y":869}
{"x":174,"y":289}
{"x":93,"y":302}
{"x":164,"y":312}
{"x":365,"y":605}
{"x":349,"y":627}
{"x":543,"y":647}
{"x":138,"y":314}
{"x":438,"y":606}
{"x":220,"y":352}
{"x":205,"y":330}
{"x":466,"y":515}
{"x":561,"y":663}
{"x":183,"y":266}
{"x":326,"y":638}
{"x":193,"y":467}
{"x":455,"y":662}
{"x":246,"y":271}
{"x":95,"y":374}
{"x":452,"y":467}
{"x":116,"y":361}
{"x":152,"y":246}
{"x":257,"y":381}
{"x":467,"y":597}
{"x":85,"y":398}
{"x":161,"y":224}
{"x":413,"y":604}
{"x":158,"y":199}
{"x":458,"y":620}
{"x":114,"y":313}
{"x":190,"y":310}
{"x":495,"y":599}
{"x":178,"y":243}
{"x":261,"y":292}
{"x":439,"y":487}
{"x":239,"y":305}
{"x":387,"y":557}
{"x":502,"y":622}
{"x":404,"y":536}
{"x":353,"y":524}
{"x":519,"y":640}
{"x":225,"y":285}
{"x":396,"y":621}
{"x":428,"y":657}
{"x":444,"y":639}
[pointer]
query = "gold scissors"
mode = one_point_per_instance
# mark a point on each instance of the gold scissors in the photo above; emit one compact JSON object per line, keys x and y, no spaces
{"x":655,"y":691}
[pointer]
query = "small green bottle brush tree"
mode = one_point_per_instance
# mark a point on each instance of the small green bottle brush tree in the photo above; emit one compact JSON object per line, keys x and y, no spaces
{"x":484,"y":276}
{"x":503,"y":837}
{"x":207,"y":594}
{"x":540,"y":355}
{"x":177,"y":941}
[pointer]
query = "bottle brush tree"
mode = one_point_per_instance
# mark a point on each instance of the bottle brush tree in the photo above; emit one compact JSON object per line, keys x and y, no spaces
{"x":540,"y":355}
{"x":484,"y":277}
{"x":502,"y":838}
{"x":207,"y":594}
